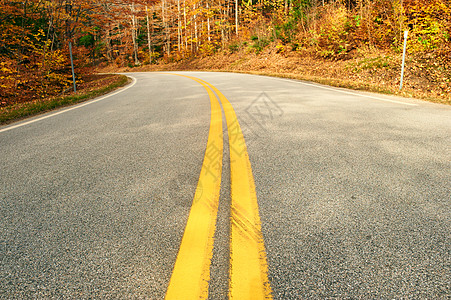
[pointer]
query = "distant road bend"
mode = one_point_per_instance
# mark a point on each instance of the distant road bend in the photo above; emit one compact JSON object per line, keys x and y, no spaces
{"x":196,"y":185}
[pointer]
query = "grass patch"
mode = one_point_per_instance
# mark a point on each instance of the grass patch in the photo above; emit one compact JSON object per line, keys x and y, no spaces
{"x":259,"y":44}
{"x":370,"y":64}
{"x":19,"y":111}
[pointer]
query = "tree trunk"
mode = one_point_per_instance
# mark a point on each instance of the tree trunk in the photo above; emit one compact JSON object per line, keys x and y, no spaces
{"x":236,"y":17}
{"x":134,"y":36}
{"x":109,"y":51}
{"x":208,"y":23}
{"x":195,"y":28}
{"x":228,"y":19}
{"x":165,"y":27}
{"x":179,"y":26}
{"x":22,"y":38}
{"x":149,"y":42}
{"x":184,"y":25}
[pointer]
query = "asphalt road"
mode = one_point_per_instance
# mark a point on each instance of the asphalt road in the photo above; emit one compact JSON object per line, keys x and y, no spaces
{"x":354,"y":191}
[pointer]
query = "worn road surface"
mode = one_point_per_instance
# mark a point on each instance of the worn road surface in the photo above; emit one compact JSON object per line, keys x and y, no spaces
{"x":353,"y":191}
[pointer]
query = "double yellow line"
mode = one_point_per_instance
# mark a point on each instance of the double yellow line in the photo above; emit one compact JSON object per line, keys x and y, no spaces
{"x":248,"y":270}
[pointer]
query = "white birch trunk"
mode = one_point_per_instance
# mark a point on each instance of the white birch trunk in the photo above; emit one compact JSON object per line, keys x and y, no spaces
{"x":149,"y":42}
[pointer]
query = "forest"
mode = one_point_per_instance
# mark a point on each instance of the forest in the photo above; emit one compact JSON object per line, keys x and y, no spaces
{"x":35,"y":36}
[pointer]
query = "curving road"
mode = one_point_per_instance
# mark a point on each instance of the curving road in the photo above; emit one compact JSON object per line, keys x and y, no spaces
{"x":353,"y":190}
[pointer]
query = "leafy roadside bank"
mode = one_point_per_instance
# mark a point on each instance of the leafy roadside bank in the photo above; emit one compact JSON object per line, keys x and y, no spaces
{"x":94,"y":86}
{"x":372,"y":71}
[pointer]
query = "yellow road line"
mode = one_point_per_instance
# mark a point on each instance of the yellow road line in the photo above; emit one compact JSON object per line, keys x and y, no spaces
{"x":191,"y":274}
{"x":248,"y":274}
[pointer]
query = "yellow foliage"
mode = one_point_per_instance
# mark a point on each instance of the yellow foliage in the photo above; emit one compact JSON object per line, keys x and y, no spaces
{"x":429,"y":25}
